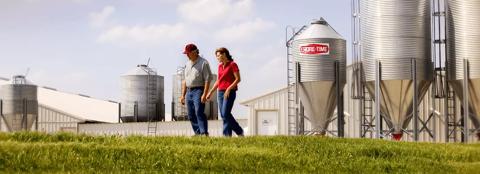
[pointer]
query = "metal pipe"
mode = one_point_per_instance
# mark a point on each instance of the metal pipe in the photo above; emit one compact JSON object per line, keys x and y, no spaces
{"x":434,"y":106}
{"x":382,"y":133}
{"x":445,"y":34}
{"x":36,"y":121}
{"x":302,"y":120}
{"x":338,"y":91}
{"x":1,"y":114}
{"x":439,"y":32}
{"x":288,"y":55}
{"x":356,"y":91}
{"x":297,"y":103}
{"x":378,"y":117}
{"x":119,"y":112}
{"x":434,"y":33}
{"x":24,"y":119}
{"x":446,"y":87}
{"x":362,"y":114}
{"x":135,"y":111}
{"x":445,"y":111}
{"x":354,"y":33}
{"x":465,"y":101}
{"x":446,"y":104}
{"x":173,"y":109}
{"x":415,"y":100}
{"x":353,"y":28}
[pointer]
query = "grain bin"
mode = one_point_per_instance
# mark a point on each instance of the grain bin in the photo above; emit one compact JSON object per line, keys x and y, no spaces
{"x":316,"y":49}
{"x":142,"y":95}
{"x":463,"y":32}
{"x":19,"y":103}
{"x":395,"y":32}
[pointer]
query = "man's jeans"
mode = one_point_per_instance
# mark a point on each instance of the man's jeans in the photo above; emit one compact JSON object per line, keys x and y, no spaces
{"x":195,"y":109}
{"x":229,"y":123}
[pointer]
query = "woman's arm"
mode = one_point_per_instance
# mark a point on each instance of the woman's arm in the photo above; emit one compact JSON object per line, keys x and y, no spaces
{"x":233,"y":85}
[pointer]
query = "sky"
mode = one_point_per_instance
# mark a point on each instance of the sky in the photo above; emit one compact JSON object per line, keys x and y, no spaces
{"x":84,"y":46}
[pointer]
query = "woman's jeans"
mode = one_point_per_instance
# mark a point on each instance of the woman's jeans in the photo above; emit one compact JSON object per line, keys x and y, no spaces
{"x":226,"y":105}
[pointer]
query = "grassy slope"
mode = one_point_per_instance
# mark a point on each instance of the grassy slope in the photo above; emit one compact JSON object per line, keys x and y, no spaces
{"x":36,"y":152}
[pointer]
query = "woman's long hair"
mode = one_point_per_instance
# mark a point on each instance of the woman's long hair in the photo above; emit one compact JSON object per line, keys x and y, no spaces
{"x":225,"y":51}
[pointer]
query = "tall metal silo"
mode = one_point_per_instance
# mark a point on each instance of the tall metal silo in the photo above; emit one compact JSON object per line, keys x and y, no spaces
{"x":142,"y":95}
{"x":396,"y":35}
{"x":179,"y":111}
{"x":19,"y":104}
{"x":211,"y":107}
{"x":317,"y":49}
{"x":463,"y":30}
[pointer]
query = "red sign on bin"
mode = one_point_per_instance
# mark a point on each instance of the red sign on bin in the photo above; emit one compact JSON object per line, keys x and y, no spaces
{"x":315,"y":49}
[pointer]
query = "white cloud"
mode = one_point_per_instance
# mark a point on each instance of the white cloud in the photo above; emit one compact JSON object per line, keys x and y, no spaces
{"x":43,"y":1}
{"x":233,"y":21}
{"x":75,"y":80}
{"x":262,"y":79}
{"x":101,"y":19}
{"x":144,"y":34}
{"x":243,"y":31}
{"x":80,"y":1}
{"x":209,"y":11}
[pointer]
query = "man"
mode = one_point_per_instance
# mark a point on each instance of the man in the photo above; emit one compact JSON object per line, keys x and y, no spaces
{"x":195,"y":88}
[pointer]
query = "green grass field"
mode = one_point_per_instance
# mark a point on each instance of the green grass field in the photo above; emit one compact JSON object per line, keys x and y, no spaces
{"x":68,"y":153}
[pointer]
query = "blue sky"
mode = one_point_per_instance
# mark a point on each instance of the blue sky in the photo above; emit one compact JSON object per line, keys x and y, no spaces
{"x":83,"y":46}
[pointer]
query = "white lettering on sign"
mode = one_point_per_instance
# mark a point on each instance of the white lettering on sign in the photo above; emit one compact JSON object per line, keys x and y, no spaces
{"x":315,"y":49}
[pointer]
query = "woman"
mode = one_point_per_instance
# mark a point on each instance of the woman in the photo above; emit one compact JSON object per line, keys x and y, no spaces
{"x":228,"y":79}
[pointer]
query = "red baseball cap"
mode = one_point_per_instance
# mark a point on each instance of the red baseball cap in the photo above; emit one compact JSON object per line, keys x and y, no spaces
{"x":189,"y":48}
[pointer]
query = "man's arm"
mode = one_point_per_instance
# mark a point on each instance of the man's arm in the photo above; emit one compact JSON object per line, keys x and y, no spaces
{"x":184,"y":92}
{"x":207,"y":76}
{"x":215,"y":86}
{"x":205,"y":92}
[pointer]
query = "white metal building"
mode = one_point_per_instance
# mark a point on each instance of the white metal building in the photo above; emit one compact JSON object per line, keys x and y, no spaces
{"x":61,"y":111}
{"x":174,"y":128}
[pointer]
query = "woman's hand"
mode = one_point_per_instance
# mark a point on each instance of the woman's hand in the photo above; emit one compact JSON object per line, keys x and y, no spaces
{"x":210,"y":93}
{"x":226,"y":94}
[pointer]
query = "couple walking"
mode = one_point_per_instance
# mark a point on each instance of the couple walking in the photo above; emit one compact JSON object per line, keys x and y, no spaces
{"x":196,"y":90}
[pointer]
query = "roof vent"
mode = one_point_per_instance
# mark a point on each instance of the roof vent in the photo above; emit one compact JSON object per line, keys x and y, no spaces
{"x":321,"y":21}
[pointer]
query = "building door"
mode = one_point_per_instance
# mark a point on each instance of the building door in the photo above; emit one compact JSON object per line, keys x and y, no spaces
{"x":267,"y":123}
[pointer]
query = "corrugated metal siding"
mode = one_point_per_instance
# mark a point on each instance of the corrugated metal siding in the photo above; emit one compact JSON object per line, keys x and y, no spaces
{"x":176,"y":128}
{"x":51,"y":121}
{"x":277,"y":102}
{"x":3,"y":126}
